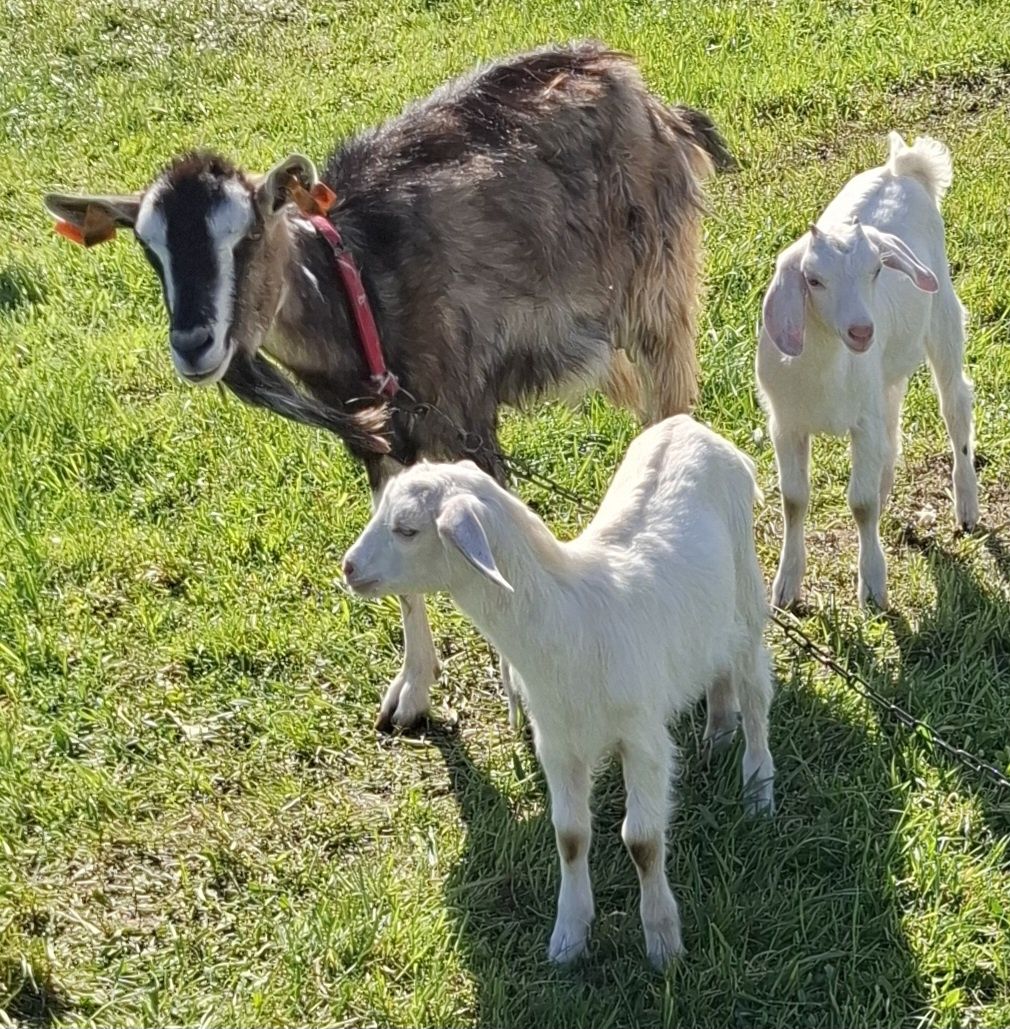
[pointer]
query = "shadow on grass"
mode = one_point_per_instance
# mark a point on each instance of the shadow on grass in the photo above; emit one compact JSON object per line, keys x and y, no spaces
{"x":790,"y":922}
{"x":19,"y":287}
{"x":955,"y":664}
{"x":29,"y":1001}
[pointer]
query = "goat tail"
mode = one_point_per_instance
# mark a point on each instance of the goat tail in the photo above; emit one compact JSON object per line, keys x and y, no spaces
{"x":758,"y":496}
{"x":709,"y":146}
{"x":927,"y":161}
{"x":256,"y":381}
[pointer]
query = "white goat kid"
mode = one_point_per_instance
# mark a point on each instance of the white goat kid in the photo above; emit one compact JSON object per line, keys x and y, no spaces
{"x":610,"y":635}
{"x":873,"y":270}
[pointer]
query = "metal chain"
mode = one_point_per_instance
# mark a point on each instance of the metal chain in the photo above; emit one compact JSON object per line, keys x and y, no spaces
{"x":791,"y":630}
{"x":474,"y":445}
{"x":521,"y":470}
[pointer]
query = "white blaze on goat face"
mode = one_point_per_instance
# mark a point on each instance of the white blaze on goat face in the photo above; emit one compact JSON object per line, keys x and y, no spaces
{"x":152,"y":232}
{"x":231,"y":218}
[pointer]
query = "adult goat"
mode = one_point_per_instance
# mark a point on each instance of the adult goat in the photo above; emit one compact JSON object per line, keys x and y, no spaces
{"x":518,"y":232}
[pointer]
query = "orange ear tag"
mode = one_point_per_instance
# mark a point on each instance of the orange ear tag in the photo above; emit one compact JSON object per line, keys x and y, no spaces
{"x":324,"y":197}
{"x":301,"y":197}
{"x":97,"y":227}
{"x":317,"y":200}
{"x":70,"y":231}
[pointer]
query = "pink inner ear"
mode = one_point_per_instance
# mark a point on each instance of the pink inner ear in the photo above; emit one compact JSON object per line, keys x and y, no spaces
{"x":926,"y":281}
{"x":792,"y":341}
{"x":923,"y":278}
{"x":783,"y":311}
{"x":899,"y":256}
{"x":789,"y":340}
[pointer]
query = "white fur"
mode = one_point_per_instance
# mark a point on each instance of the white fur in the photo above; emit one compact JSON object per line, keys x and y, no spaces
{"x":230,"y":219}
{"x":152,"y":229}
{"x":875,"y":261}
{"x":312,"y":280}
{"x":659,"y":601}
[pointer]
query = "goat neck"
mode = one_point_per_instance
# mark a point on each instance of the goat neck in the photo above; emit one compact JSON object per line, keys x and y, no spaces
{"x":545,"y":573}
{"x":311,"y":332}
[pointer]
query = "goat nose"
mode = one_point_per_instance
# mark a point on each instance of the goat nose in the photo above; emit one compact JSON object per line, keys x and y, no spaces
{"x":348,"y":570}
{"x":191,"y":342}
{"x":860,"y":333}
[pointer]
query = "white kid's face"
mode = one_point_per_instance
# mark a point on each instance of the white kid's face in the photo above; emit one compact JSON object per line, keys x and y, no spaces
{"x":840,"y":277}
{"x":400,"y":551}
{"x":426,"y":535}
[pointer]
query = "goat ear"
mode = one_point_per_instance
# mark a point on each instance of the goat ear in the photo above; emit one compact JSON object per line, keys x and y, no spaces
{"x":459,"y":525}
{"x":896,"y":254}
{"x":91,"y":219}
{"x":275,"y":188}
{"x":784,"y":308}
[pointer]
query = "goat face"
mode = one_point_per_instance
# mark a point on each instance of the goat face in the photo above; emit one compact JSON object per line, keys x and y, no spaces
{"x":428,"y":518}
{"x":833,"y":275}
{"x":216,"y":240}
{"x":840,"y":275}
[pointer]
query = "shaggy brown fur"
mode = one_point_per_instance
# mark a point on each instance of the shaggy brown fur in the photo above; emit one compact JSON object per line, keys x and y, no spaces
{"x":523,"y":231}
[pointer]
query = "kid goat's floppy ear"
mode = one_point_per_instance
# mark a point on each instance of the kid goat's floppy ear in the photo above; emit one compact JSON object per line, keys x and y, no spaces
{"x":459,"y":525}
{"x":89,"y":220}
{"x":784,"y":308}
{"x":896,"y":254}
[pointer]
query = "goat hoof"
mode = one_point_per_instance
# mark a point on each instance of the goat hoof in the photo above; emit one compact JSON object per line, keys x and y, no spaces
{"x":759,"y":803}
{"x":874,"y":600}
{"x":966,"y":509}
{"x":409,"y":719}
{"x":566,"y":945}
{"x":714,"y":746}
{"x":786,"y":597}
{"x":391,"y":727}
{"x":401,"y":718}
{"x":406,"y":701}
{"x":663,"y":945}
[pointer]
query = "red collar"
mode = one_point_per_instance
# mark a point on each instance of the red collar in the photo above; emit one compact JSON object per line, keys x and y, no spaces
{"x":385,"y":382}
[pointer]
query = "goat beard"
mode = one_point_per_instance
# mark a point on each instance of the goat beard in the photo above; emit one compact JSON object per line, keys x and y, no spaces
{"x":258,"y":382}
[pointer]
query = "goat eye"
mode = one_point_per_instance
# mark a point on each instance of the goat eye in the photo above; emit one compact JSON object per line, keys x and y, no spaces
{"x":876,"y":274}
{"x":814,"y":282}
{"x":403,"y":531}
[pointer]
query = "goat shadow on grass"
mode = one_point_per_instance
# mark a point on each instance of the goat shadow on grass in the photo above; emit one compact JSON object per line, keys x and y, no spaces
{"x":954,"y":671}
{"x":787,"y":922}
{"x":20,"y":286}
{"x":32,"y":1002}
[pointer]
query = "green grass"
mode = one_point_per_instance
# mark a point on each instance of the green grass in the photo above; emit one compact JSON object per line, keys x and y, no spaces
{"x":198,"y":824}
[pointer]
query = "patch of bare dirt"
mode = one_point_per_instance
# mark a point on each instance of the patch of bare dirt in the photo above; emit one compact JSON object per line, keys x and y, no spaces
{"x":959,"y":92}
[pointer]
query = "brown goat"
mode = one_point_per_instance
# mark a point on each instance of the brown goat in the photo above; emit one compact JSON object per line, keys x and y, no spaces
{"x":518,"y":232}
